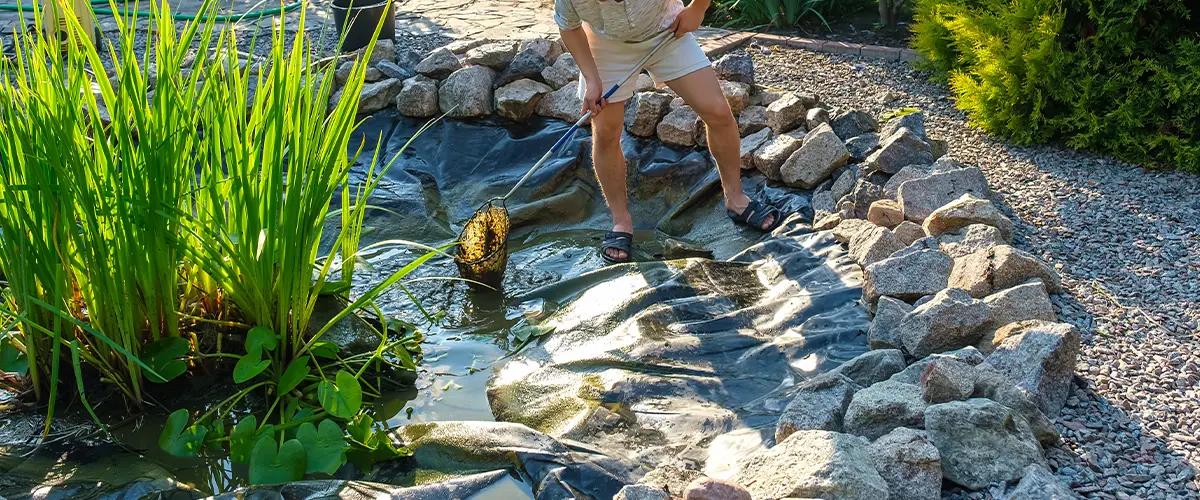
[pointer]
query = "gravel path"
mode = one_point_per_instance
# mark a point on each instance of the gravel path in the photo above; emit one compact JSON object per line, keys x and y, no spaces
{"x":1127,"y":242}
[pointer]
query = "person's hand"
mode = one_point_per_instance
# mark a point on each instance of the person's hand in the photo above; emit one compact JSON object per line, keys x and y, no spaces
{"x":688,"y":20}
{"x":591,"y":97}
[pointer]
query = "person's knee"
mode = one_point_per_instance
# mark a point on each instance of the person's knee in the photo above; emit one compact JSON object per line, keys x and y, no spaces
{"x":607,"y":133}
{"x":716,"y":114}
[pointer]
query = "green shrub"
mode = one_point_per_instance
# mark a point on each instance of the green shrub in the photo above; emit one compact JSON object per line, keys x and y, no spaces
{"x":777,"y":13}
{"x":1121,"y":77}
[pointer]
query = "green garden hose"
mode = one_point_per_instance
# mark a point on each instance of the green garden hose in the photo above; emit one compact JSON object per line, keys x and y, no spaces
{"x":256,"y":14}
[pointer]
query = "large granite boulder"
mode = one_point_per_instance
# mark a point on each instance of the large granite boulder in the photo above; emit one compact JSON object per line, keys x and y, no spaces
{"x":752,"y":119}
{"x":751,"y":143}
{"x":770,"y":157}
{"x":439,"y":64}
{"x":912,"y":121}
{"x":1040,"y":357}
{"x":813,"y":464}
{"x":562,"y":72}
{"x":909,"y":463}
{"x":527,"y":65}
{"x":872,"y":367}
{"x":495,"y":55}
{"x":1024,"y":302}
{"x":821,"y":154}
{"x":467,"y":93}
{"x":922,"y":195}
{"x":737,"y":94}
{"x":900,"y":150}
{"x":378,"y":95}
{"x":681,"y":127}
{"x":965,"y":211}
{"x":735,"y":68}
{"x":885,"y":327}
{"x":879,"y":409}
{"x":819,"y":404}
{"x":644,"y":111}
{"x":418,"y":97}
{"x":563,"y":104}
{"x":518,"y":100}
{"x":948,"y":321}
{"x":873,"y":245}
{"x":854,"y":123}
{"x":1000,"y":267}
{"x":981,"y":442}
{"x":786,"y":113}
{"x":968,"y":240}
{"x":907,"y":277}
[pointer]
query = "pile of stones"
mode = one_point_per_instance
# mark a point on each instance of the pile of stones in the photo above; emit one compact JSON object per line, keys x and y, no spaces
{"x":969,"y":364}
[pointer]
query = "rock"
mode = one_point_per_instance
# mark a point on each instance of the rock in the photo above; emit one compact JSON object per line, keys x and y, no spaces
{"x":470,"y":89}
{"x":917,"y":246}
{"x":677,"y":102}
{"x":1019,"y":303}
{"x":1039,"y":356}
{"x":879,"y":409}
{"x":908,"y":232}
{"x":378,"y":95}
{"x":495,"y":55}
{"x":908,"y":277}
{"x":392,"y":70}
{"x":752,"y":119}
{"x":844,"y":184}
{"x":946,"y":379}
{"x":786,"y":113}
{"x":563,"y":104}
{"x":968,"y":240}
{"x":462,"y":46}
{"x":385,"y":50}
{"x":813,"y":464}
{"x":861,"y":147}
{"x":847,"y":230}
{"x":819,"y":404}
{"x":854,"y":123}
{"x":751,"y":143}
{"x":873,"y":245}
{"x":644,"y":111}
{"x":815,"y":117}
{"x":707,"y":488}
{"x":669,"y":478}
{"x":885,"y":328}
{"x":921,"y":196}
{"x":439,"y":64}
{"x":737,"y":94}
{"x":898,"y":151}
{"x":827,"y":222}
{"x":638,"y":492}
{"x":771,"y":156}
{"x":866,"y":192}
{"x":517,"y":100}
{"x":886,"y":213}
{"x":562,"y":72}
{"x":1038,"y":483}
{"x":735,"y":68}
{"x":644,"y":83}
{"x":949,"y":321}
{"x":526,"y":65}
{"x":418,"y":97}
{"x":766,"y":97}
{"x":991,"y":384}
{"x":912,"y":121}
{"x":342,"y":73}
{"x":939,"y":147}
{"x":964,"y":211}
{"x":822,"y":201}
{"x":981,"y":442}
{"x":909,"y":463}
{"x":548,"y":50}
{"x":821,"y":154}
{"x":873,"y":366}
{"x":892,"y":187}
{"x":373,"y":75}
{"x":1000,"y":267}
{"x":681,"y":127}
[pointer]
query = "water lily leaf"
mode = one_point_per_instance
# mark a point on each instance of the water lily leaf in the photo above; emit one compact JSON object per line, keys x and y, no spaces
{"x":274,"y":464}
{"x":249,"y":366}
{"x":12,"y":360}
{"x":162,"y":356}
{"x":259,"y":338}
{"x":341,"y":397}
{"x":324,"y":349}
{"x":180,"y":439}
{"x":325,"y":446}
{"x":526,"y":332}
{"x":293,"y":375}
{"x":215,"y":431}
{"x":379,"y":449}
{"x":244,"y":436}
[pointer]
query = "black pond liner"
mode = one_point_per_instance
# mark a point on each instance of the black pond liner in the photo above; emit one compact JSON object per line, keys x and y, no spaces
{"x":675,"y":356}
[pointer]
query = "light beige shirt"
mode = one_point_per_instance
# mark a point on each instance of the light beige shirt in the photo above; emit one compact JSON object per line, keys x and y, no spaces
{"x":625,"y":21}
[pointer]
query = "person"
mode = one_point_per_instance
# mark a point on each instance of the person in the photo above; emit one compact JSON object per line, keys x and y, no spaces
{"x":608,"y":38}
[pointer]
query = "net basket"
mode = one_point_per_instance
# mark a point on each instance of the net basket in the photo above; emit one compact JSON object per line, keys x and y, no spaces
{"x":482,"y":254}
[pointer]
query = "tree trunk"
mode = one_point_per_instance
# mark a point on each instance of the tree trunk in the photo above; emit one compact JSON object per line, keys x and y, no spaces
{"x":886,"y":17}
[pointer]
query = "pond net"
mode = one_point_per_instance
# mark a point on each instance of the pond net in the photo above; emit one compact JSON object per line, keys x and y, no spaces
{"x":483,"y":246}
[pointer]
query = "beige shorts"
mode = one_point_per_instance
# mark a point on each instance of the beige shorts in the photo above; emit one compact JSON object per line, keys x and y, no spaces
{"x":615,"y":59}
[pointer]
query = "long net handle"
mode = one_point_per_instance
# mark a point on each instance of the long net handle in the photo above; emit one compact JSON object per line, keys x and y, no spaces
{"x":571,"y":131}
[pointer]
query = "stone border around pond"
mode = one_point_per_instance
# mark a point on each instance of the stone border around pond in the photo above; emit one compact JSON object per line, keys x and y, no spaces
{"x":968,"y":363}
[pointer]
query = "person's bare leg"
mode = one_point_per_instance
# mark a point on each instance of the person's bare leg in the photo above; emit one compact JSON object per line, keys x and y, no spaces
{"x":700,"y":90}
{"x":609,"y":162}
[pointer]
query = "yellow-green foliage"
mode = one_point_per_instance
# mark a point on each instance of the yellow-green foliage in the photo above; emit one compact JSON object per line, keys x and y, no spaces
{"x":1116,"y":76}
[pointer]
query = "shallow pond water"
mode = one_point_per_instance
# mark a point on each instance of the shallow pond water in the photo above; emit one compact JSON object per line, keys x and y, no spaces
{"x":783,"y":311}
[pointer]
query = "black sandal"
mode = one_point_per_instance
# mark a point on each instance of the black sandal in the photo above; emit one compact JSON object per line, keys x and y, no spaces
{"x":617,"y":240}
{"x":755,"y":214}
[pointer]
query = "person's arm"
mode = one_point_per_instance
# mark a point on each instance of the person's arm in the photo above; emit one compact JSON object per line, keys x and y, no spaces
{"x":577,"y":45}
{"x":689,"y":20}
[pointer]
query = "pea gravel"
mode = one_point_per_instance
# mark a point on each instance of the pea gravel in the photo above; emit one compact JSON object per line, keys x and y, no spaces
{"x":1127,"y":243}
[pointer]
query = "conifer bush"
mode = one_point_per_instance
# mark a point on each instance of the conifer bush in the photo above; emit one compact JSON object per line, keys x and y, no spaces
{"x":1116,"y":76}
